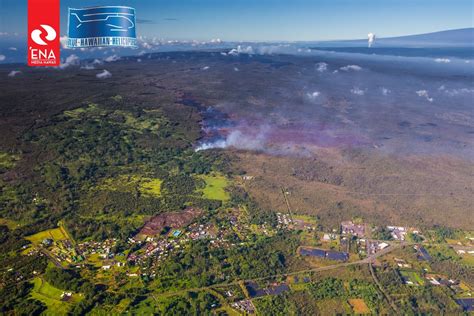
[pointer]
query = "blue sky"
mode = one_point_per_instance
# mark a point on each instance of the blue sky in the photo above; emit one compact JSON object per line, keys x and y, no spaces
{"x":271,"y":20}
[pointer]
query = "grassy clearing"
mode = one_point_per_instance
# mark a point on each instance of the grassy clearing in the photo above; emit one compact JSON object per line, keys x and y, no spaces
{"x":215,"y":187}
{"x":55,"y":234}
{"x":305,"y":218}
{"x":135,"y":219}
{"x":51,"y":297}
{"x":146,"y":307}
{"x":333,"y":307}
{"x":151,"y":123}
{"x":413,"y":277}
{"x":75,"y":113}
{"x":150,"y":186}
{"x":358,"y":306}
{"x":131,"y":184}
{"x":90,"y":109}
{"x":468,"y":259}
{"x":8,"y":161}
{"x":9,"y":223}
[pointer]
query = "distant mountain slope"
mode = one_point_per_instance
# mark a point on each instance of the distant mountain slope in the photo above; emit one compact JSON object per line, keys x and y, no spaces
{"x":459,"y":37}
{"x":450,"y":38}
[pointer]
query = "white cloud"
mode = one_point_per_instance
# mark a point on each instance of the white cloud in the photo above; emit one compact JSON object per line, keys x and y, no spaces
{"x":424,"y":93}
{"x":2,"y":57}
{"x":236,"y":69}
{"x":88,"y":67}
{"x":443,"y":60}
{"x":386,"y":91}
{"x":313,"y":95}
{"x":241,"y":50}
{"x":351,"y":67}
{"x":97,"y":62}
{"x":13,"y":73}
{"x":205,"y":68}
{"x":264,"y":50}
{"x":456,"y":92}
{"x":301,"y":50}
{"x":104,"y":74}
{"x":146,"y":45}
{"x":357,"y":91}
{"x":321,"y":67}
{"x":112,"y":58}
{"x":71,"y":60}
{"x":63,"y":41}
{"x":139,"y":60}
{"x":12,"y":48}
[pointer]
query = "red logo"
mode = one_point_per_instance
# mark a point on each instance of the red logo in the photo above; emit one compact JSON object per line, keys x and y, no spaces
{"x":43,"y":33}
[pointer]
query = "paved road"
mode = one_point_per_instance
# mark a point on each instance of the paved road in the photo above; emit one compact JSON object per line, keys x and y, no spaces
{"x":51,"y":257}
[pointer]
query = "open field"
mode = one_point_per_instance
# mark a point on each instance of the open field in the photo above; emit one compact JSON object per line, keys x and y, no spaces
{"x":215,"y":187}
{"x":55,"y":234}
{"x":51,"y":297}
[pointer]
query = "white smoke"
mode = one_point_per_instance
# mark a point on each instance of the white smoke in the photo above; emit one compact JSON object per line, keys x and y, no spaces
{"x":371,"y":39}
{"x":13,"y":73}
{"x":104,"y":74}
{"x":239,"y":140}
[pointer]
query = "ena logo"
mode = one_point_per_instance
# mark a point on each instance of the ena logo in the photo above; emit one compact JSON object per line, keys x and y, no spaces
{"x":36,"y":35}
{"x":43,"y":29}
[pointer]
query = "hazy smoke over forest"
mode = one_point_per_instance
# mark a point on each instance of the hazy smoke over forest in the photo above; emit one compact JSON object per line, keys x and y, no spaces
{"x":327,"y":99}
